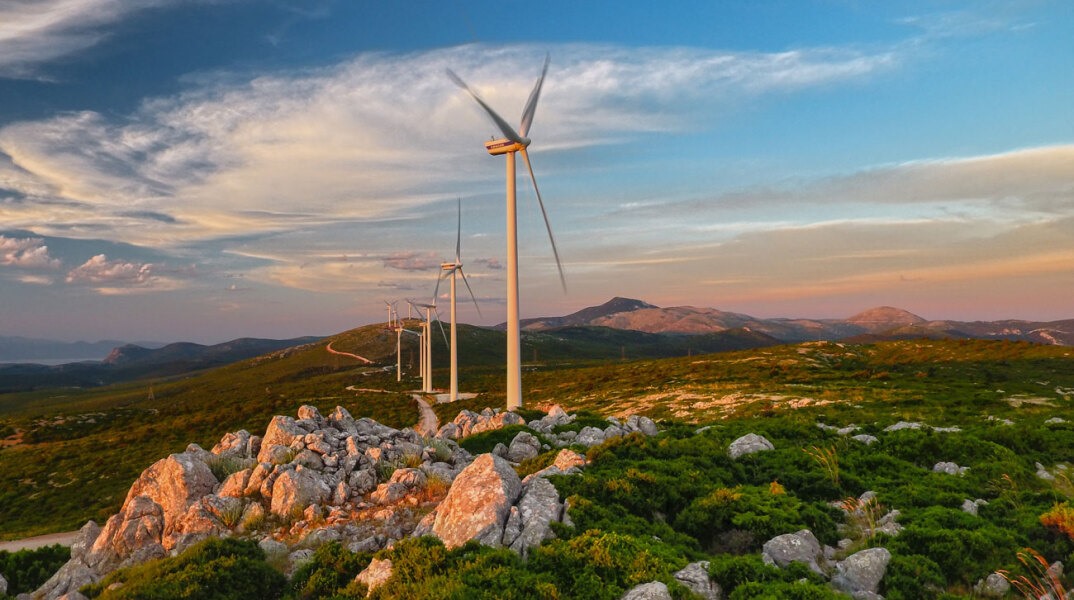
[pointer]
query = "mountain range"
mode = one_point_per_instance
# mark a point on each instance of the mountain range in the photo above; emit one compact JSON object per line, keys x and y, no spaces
{"x":875,"y":324}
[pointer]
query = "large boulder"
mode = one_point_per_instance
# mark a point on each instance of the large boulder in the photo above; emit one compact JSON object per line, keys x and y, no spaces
{"x":993,"y":586}
{"x":478,"y":503}
{"x":525,"y":445}
{"x":282,"y":430}
{"x":295,"y":490}
{"x":748,"y":444}
{"x":802,"y":547}
{"x":538,"y":508}
{"x":861,"y":572}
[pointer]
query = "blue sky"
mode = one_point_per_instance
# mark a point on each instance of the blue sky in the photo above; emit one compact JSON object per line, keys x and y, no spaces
{"x":210,"y":169}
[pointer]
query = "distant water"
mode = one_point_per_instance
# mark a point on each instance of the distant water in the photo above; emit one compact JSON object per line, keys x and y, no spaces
{"x":47,"y":361}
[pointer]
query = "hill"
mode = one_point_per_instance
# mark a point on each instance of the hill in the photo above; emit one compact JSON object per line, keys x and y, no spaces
{"x":880,"y":323}
{"x":131,"y":362}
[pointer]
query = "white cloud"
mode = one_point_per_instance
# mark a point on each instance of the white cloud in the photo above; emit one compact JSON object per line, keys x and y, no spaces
{"x":119,"y":277}
{"x":37,"y":31}
{"x":26,"y":253}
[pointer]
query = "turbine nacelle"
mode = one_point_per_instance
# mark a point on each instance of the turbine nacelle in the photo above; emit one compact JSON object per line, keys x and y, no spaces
{"x":504,"y":145}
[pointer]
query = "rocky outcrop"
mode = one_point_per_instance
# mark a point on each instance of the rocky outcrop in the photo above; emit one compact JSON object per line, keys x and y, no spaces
{"x":949,"y":468}
{"x":749,"y":444}
{"x":478,"y":504}
{"x":993,"y":586}
{"x":320,"y":478}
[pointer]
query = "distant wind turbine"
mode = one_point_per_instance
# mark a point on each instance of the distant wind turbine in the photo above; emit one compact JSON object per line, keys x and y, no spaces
{"x":427,"y":345}
{"x":515,"y":141}
{"x":450,"y":269}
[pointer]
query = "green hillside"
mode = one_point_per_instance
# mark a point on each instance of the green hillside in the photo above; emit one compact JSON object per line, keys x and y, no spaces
{"x":81,"y":448}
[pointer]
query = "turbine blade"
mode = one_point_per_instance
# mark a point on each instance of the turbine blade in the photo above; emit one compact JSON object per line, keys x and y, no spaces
{"x":458,"y":234}
{"x":471,"y":292}
{"x":531,"y":104}
{"x":441,"y":324}
{"x":436,"y":292}
{"x":507,"y":130}
{"x":547,"y":225}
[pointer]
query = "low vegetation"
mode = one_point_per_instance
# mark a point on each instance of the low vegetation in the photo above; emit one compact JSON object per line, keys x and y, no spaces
{"x":645,"y":507}
{"x":26,"y":570}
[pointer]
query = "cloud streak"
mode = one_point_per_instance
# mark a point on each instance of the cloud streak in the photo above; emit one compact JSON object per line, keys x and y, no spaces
{"x":26,"y":253}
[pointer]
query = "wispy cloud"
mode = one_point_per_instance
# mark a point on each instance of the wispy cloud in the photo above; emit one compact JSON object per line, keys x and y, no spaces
{"x":33,"y":32}
{"x":120,"y":277}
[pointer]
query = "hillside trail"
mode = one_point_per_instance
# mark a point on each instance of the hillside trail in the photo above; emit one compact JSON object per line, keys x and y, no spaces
{"x":332,"y":350}
{"x":429,"y":424}
{"x":40,"y":541}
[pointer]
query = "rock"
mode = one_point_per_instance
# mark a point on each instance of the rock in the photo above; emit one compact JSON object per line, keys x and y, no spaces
{"x":376,"y":574}
{"x":524,"y":445}
{"x":296,"y":559}
{"x":865,"y":438}
{"x":310,"y":413}
{"x":748,"y":444}
{"x":904,"y":425}
{"x":695,"y":576}
{"x":388,"y":493}
{"x":3,"y":585}
{"x":568,"y":459}
{"x":76,"y":595}
{"x":281,"y":431}
{"x":478,"y":503}
{"x":539,"y":507}
{"x":71,"y":576}
{"x":862,"y":571}
{"x":410,"y":479}
{"x":500,"y":450}
{"x":233,"y":444}
{"x":801,"y":547}
{"x":653,"y":590}
{"x":970,"y":506}
{"x":950,"y":468}
{"x":235,"y":484}
{"x":647,"y":426}
{"x":296,"y":489}
{"x":993,"y":586}
{"x":1054,"y":421}
{"x":1043,"y":473}
{"x":590,"y":436}
{"x":513,"y":528}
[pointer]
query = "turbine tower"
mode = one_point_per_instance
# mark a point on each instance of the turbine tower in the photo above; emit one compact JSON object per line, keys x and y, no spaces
{"x":451,"y":269}
{"x":427,"y":345}
{"x":512,"y":142}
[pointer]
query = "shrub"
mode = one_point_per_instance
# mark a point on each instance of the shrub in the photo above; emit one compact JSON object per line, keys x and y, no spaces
{"x":481,"y":443}
{"x":26,"y":570}
{"x":330,"y":572}
{"x":204,"y":571}
{"x":1060,"y":517}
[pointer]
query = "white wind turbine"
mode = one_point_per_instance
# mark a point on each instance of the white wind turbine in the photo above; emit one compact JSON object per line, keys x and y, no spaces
{"x":446,"y":269}
{"x":515,"y":141}
{"x":427,"y":345}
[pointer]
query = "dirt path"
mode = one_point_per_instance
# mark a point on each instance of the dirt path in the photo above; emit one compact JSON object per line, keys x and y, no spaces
{"x":31,"y":543}
{"x":429,"y":424}
{"x":334,"y":351}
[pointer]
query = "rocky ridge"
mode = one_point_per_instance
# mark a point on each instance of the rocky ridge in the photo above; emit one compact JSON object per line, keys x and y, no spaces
{"x":316,"y":479}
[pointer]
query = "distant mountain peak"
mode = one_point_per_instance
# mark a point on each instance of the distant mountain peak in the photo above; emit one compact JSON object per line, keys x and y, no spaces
{"x":885,"y":317}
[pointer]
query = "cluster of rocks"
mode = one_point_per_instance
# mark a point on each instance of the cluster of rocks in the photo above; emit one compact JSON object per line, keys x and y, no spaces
{"x":694,"y":576}
{"x":858,"y":575}
{"x":468,"y":423}
{"x":317,"y":479}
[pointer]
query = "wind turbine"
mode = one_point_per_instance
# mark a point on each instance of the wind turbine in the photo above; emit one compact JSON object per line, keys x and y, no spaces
{"x":512,"y":142}
{"x":446,"y":269}
{"x":391,"y":310}
{"x":427,"y":345}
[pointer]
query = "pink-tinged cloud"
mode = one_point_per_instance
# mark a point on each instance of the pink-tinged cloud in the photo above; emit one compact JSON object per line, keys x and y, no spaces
{"x":100,"y":270}
{"x":26,"y":253}
{"x":412,"y":261}
{"x":489,"y":263}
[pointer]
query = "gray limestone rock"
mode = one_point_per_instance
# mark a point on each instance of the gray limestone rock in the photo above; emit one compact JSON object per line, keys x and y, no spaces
{"x":865,"y":438}
{"x":539,"y":507}
{"x":950,"y":468}
{"x":295,"y":490}
{"x":478,"y":503}
{"x":749,"y":444}
{"x":801,"y":546}
{"x":3,"y":585}
{"x":524,"y":445}
{"x":993,"y":586}
{"x":590,"y":436}
{"x":654,"y":590}
{"x":695,"y":576}
{"x":281,"y":431}
{"x":904,"y":425}
{"x":862,"y":571}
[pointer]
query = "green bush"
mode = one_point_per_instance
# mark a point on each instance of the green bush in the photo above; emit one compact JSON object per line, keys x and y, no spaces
{"x":329,"y":573}
{"x":210,"y":570}
{"x":481,"y":443}
{"x":26,"y":570}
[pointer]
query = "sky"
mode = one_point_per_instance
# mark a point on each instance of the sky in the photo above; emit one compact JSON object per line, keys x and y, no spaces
{"x":202,"y":170}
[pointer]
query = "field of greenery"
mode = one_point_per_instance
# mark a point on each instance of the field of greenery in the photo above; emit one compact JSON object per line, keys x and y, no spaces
{"x":644,"y":507}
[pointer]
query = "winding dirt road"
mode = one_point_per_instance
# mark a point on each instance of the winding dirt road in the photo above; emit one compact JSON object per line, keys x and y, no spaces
{"x":429,"y":424}
{"x":332,"y":350}
{"x":32,"y":543}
